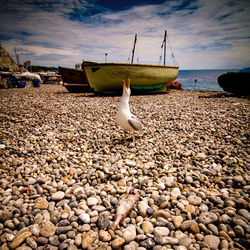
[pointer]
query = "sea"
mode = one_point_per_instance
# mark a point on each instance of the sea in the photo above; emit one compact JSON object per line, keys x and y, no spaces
{"x":202,"y":80}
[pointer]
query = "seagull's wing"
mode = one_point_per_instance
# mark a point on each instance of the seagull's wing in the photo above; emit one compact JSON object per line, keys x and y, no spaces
{"x":135,"y":123}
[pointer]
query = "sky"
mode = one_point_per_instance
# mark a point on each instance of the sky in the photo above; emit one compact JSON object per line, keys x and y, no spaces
{"x":203,"y":34}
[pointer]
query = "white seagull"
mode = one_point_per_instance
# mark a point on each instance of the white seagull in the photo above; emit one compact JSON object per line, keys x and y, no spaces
{"x":125,"y":119}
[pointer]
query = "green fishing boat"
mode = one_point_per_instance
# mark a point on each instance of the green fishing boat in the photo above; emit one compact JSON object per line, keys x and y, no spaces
{"x":108,"y":77}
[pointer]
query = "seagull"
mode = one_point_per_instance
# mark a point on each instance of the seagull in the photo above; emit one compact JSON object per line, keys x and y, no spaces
{"x":125,"y":119}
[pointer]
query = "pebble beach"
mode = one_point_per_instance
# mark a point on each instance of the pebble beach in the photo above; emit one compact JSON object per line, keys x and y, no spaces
{"x":64,"y":165}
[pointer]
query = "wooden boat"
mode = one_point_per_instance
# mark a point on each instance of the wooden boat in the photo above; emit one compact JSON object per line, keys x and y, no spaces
{"x":237,"y":83}
{"x":107,"y":77}
{"x":74,"y":80}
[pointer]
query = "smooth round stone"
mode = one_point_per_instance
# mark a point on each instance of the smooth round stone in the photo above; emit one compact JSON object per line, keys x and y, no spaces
{"x":142,"y":207}
{"x":161,"y":213}
{"x":189,"y":179}
{"x":169,"y":181}
{"x":245,"y":213}
{"x":161,"y":186}
{"x":99,"y":208}
{"x":147,"y":227}
{"x":203,"y":208}
{"x":239,"y":231}
{"x":207,"y":218}
{"x":5,"y":215}
{"x":238,"y":179}
{"x":224,"y":244}
{"x":129,"y":233}
{"x":225,"y":218}
{"x":35,"y":229}
{"x":175,"y":192}
{"x":194,"y":200}
{"x":64,"y":216}
{"x":185,"y":225}
{"x":161,"y":231}
{"x":199,"y":236}
{"x":85,"y":228}
{"x":194,"y":227}
{"x":190,"y":208}
{"x":58,"y":196}
{"x":47,"y":228}
{"x":213,"y":228}
{"x":181,"y":248}
{"x":85,"y":218}
{"x":92,"y":201}
{"x":31,"y":242}
{"x":42,"y":241}
{"x":104,"y":236}
{"x":54,"y":240}
{"x":117,"y":243}
{"x":180,"y":206}
{"x":185,"y":241}
{"x":212,"y":241}
{"x":230,"y":203}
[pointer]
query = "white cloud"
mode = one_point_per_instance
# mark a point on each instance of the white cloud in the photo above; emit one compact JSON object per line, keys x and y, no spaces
{"x":200,"y":37}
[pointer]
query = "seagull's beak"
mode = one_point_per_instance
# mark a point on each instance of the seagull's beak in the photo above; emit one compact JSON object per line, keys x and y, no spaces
{"x":128,"y":83}
{"x":124,"y":84}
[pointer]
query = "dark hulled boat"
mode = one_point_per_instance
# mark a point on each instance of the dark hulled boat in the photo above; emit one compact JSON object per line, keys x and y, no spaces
{"x":237,"y":83}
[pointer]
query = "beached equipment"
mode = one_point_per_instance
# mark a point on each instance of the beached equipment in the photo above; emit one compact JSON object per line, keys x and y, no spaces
{"x":36,"y":83}
{"x":28,"y":76}
{"x":21,"y":84}
{"x":12,"y":82}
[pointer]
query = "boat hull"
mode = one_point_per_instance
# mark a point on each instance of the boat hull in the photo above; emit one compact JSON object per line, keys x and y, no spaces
{"x":74,"y":80}
{"x":108,"y":77}
{"x":235,"y":82}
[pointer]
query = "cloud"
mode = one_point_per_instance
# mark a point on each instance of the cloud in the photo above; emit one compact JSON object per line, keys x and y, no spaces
{"x":203,"y":34}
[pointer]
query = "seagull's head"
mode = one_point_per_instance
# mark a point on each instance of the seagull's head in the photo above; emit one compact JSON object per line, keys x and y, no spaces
{"x":126,"y":88}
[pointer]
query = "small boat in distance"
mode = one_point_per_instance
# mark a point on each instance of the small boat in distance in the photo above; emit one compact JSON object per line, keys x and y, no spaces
{"x":237,"y":83}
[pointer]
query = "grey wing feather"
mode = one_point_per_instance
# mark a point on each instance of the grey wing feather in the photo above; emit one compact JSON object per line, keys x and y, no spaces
{"x":135,"y":123}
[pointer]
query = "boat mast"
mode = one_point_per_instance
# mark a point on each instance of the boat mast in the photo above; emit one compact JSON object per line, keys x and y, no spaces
{"x":17,"y":59}
{"x":164,"y":43}
{"x":133,"y":51}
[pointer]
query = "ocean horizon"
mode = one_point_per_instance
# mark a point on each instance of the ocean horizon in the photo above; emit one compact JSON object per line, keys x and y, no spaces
{"x":202,"y":80}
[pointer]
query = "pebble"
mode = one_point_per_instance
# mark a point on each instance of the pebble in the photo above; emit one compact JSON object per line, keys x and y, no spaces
{"x":147,"y":227}
{"x":129,"y":234}
{"x":58,"y":196}
{"x":207,"y":218}
{"x":47,"y":228}
{"x":62,"y":173}
{"x":20,"y":237}
{"x":117,"y":243}
{"x":177,"y":220}
{"x":212,"y":241}
{"x":104,"y":235}
{"x":85,"y":218}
